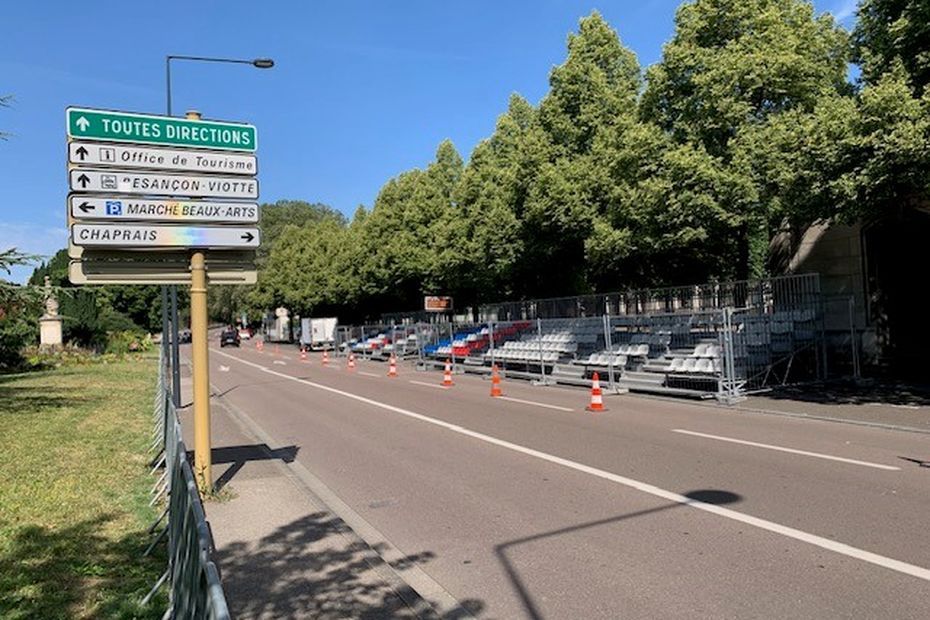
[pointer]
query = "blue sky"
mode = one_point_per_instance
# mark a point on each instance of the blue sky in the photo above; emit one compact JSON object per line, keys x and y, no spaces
{"x":361,"y":90}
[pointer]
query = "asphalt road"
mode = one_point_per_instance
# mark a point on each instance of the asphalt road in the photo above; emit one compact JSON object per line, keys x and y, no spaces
{"x":535,"y":508}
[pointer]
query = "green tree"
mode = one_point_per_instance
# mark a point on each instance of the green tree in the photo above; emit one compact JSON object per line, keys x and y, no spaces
{"x":301,"y":271}
{"x":849,"y":159}
{"x":598,"y":82}
{"x":591,"y":93}
{"x":733,"y":65}
{"x":227,"y":303}
{"x":413,"y":236}
{"x":492,"y":193}
{"x":889,"y":31}
{"x":19,"y":308}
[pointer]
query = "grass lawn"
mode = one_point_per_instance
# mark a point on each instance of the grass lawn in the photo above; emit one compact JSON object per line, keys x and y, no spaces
{"x":74,"y":492}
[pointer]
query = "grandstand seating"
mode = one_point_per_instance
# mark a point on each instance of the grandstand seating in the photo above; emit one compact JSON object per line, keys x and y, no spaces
{"x":474,"y":341}
{"x":672,"y":353}
{"x":560,"y":339}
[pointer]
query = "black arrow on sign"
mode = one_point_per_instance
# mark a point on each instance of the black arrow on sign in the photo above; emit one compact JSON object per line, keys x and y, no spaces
{"x":86,"y":207}
{"x":83,"y":180}
{"x":248,"y":236}
{"x":82,"y":152}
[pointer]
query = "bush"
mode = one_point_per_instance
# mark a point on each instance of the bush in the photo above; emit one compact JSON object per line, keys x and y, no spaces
{"x":70,"y":355}
{"x":15,"y":334}
{"x":127,"y":341}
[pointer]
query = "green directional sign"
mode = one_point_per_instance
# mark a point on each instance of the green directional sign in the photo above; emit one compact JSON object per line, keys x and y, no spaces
{"x":112,"y":126}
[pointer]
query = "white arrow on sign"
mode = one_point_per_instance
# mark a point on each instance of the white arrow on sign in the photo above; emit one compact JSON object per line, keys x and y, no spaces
{"x":155,"y":236}
{"x":156,"y":184}
{"x":82,"y":123}
{"x":154,"y":158}
{"x":123,"y":209}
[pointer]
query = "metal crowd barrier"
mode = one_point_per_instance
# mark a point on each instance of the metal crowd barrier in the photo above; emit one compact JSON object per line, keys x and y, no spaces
{"x":194,"y":587}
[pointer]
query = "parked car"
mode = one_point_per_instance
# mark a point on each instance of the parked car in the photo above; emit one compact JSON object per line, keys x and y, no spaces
{"x":245,"y":333}
{"x":229,"y":337}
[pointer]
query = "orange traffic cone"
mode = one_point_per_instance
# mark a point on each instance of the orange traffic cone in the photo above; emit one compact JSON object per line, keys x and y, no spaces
{"x":495,"y":382}
{"x":447,"y":375}
{"x":597,"y":399}
{"x":259,"y":345}
{"x":392,"y":367}
{"x":351,"y":365}
{"x":303,"y":355}
{"x":326,"y":358}
{"x":277,"y":349}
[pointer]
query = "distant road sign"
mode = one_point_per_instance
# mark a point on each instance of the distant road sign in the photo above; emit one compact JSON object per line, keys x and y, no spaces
{"x":121,"y":208}
{"x":157,"y":184}
{"x":112,"y":126}
{"x":155,"y":236}
{"x":153,"y":158}
{"x":437,"y":304}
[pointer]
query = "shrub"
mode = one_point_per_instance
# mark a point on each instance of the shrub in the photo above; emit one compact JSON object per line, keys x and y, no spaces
{"x":127,"y":341}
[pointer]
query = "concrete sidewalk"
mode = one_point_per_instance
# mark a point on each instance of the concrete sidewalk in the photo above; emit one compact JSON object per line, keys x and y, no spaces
{"x":868,"y":402}
{"x":281,"y":551}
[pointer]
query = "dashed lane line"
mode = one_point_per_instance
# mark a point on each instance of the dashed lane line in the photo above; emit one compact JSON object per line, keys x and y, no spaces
{"x":534,"y":403}
{"x":769,"y":526}
{"x":816,"y":455}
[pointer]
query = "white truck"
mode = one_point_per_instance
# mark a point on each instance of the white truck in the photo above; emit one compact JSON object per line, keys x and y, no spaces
{"x":318,"y":333}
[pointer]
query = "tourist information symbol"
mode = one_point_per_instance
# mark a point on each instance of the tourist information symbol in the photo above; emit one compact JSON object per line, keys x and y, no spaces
{"x":109,"y":126}
{"x":151,"y":195}
{"x":154,"y":158}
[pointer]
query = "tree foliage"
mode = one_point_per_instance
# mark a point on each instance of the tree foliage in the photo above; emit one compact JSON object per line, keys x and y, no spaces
{"x":18,"y":311}
{"x":891,"y":31}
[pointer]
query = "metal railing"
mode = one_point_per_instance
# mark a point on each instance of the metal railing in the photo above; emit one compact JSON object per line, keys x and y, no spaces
{"x":194,"y":587}
{"x":723,"y":339}
{"x":781,"y":292}
{"x":720,"y":352}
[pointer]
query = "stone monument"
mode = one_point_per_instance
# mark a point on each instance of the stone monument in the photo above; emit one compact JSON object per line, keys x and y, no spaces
{"x":50,"y":322}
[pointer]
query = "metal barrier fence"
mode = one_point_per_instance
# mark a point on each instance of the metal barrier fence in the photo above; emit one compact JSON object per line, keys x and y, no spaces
{"x":193,"y":580}
{"x":722,"y":352}
{"x":783,"y":292}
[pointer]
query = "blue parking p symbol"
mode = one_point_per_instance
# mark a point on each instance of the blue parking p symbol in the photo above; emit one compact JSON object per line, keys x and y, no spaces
{"x":114,"y":207}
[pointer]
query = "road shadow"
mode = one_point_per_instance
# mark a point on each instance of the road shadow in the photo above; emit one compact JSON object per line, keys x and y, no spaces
{"x":855,"y":393}
{"x":917,"y":461}
{"x":315,"y":567}
{"x":77,"y":571}
{"x":238,"y":456}
{"x":216,"y":394}
{"x":706,"y":496}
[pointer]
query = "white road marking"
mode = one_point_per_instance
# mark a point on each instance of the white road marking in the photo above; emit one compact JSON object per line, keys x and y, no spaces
{"x":224,"y":368}
{"x":281,"y":362}
{"x":435,"y":385}
{"x":533,"y":402}
{"x":816,"y":455}
{"x":769,"y":526}
{"x":368,"y":374}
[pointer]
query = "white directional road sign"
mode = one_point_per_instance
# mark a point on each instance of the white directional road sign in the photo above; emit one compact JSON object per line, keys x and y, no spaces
{"x":156,"y":184}
{"x":121,"y":208}
{"x":184,"y":160}
{"x":147,"y":189}
{"x":156,"y":236}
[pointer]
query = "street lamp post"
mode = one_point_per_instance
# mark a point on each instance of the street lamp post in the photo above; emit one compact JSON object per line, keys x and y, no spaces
{"x":199,"y":345}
